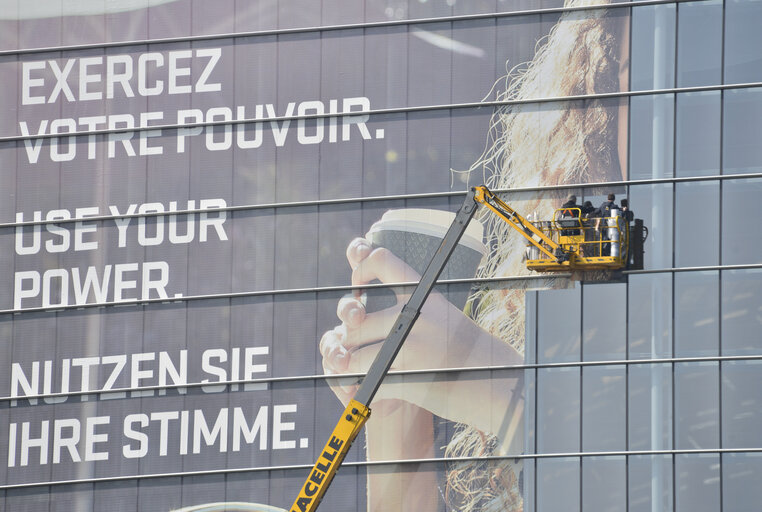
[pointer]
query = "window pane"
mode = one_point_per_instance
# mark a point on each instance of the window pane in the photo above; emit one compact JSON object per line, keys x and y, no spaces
{"x":741,"y":312}
{"x":697,"y":235}
{"x":649,"y":391}
{"x":603,"y":483}
{"x":653,"y":47}
{"x":697,"y":405}
{"x":558,"y":330}
{"x":697,"y":134}
{"x":696,"y":314}
{"x":558,"y":410}
{"x":558,"y":485}
{"x":740,"y":481}
{"x":530,"y":326}
{"x":603,"y":322}
{"x":650,"y":483}
{"x":654,"y":204}
{"x":741,"y":213}
{"x":743,"y":39}
{"x":603,"y":408}
{"x":699,"y":43}
{"x":742,"y":116}
{"x":697,"y":483}
{"x":652,"y":126}
{"x":649,"y":322}
{"x":741,"y":404}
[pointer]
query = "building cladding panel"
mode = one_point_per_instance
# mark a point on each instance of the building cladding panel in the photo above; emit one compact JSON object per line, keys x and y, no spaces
{"x":219,"y":146}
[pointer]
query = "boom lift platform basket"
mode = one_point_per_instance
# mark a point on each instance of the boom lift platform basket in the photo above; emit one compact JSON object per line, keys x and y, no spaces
{"x":572,"y":242}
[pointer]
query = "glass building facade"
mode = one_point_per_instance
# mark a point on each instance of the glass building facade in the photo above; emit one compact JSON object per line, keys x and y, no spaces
{"x":182,"y":182}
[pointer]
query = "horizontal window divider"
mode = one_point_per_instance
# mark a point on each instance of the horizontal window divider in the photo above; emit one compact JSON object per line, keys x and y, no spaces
{"x":348,"y":288}
{"x":359,"y":464}
{"x":259,"y":293}
{"x":337,"y":27}
{"x":427,"y":371}
{"x":395,"y":197}
{"x":391,"y":110}
{"x":707,"y":268}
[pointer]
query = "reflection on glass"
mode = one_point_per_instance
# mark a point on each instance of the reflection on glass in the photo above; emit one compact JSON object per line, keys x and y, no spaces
{"x":558,"y":332}
{"x":742,"y":123}
{"x":741,"y":312}
{"x":697,"y":405}
{"x":649,"y":483}
{"x":558,"y":484}
{"x":649,"y":320}
{"x":697,"y":134}
{"x":740,"y":480}
{"x":696,"y":314}
{"x":741,"y":403}
{"x":604,"y":400}
{"x":603,"y":483}
{"x":530,"y":326}
{"x":743,"y":39}
{"x":653,"y":204}
{"x":697,"y":483}
{"x":697,"y":235}
{"x":603,"y":321}
{"x":699,"y":43}
{"x":652,"y":124}
{"x":649,"y":415}
{"x":653,"y":47}
{"x":741,"y":209}
{"x":558,"y":410}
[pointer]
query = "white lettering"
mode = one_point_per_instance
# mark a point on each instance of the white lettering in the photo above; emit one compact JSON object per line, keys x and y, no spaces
{"x":27,"y":83}
{"x":176,"y":72}
{"x":135,"y":435}
{"x":85,"y":78}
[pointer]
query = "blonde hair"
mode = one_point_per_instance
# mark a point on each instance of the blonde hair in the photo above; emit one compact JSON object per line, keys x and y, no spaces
{"x":533,"y":144}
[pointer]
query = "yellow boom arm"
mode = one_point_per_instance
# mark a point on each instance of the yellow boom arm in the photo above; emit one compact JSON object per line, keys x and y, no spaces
{"x":337,"y":447}
{"x":517,"y":222}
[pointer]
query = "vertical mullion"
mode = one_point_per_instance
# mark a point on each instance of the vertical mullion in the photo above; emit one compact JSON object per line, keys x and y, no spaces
{"x":720,"y":273}
{"x":536,"y":387}
{"x":581,"y":392}
{"x":674,"y":259}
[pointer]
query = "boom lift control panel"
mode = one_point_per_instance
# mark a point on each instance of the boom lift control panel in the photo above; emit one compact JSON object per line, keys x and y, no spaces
{"x":566,"y":243}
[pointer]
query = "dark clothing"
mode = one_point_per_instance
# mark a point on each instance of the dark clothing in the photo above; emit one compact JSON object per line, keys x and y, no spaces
{"x":605,"y":209}
{"x":568,"y":211}
{"x":628,"y":215}
{"x":587,"y":211}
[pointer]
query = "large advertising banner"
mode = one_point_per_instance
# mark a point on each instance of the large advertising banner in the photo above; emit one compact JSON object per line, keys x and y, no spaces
{"x":188,"y":223}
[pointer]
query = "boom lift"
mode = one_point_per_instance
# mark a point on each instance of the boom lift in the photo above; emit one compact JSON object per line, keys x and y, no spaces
{"x":564,"y":244}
